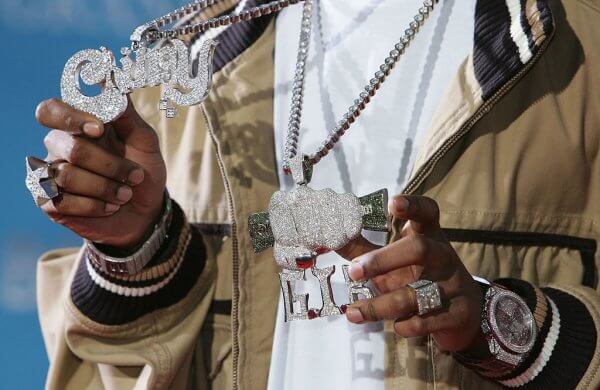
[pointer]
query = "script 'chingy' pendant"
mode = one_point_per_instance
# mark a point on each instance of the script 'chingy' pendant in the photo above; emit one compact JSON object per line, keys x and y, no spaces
{"x":168,"y":64}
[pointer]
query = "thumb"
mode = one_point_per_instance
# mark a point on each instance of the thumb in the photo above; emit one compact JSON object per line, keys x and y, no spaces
{"x":135,"y":131}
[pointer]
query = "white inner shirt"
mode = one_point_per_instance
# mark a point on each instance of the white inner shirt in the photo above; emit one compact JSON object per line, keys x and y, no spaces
{"x":349,"y":40}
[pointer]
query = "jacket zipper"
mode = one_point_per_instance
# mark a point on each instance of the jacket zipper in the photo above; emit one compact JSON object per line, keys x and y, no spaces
{"x":410,"y":188}
{"x":235,"y":256}
{"x":426,"y":170}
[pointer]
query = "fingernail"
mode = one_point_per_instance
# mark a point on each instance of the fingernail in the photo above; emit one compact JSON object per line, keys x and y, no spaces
{"x":92,"y":129}
{"x":356,"y":270}
{"x":111,"y":207}
{"x":124,"y":193}
{"x":136,"y":176}
{"x":354,"y":315}
{"x":400,"y":204}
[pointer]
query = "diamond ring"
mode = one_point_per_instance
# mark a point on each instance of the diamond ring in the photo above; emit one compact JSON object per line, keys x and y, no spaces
{"x":40,"y":180}
{"x":428,"y":295}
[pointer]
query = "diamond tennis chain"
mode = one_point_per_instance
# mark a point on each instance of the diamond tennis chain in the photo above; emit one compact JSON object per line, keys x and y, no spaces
{"x":224,"y":20}
{"x":291,"y":142}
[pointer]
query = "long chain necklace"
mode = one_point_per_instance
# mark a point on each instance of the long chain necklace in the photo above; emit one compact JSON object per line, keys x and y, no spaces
{"x":303,"y":223}
{"x":143,"y":65}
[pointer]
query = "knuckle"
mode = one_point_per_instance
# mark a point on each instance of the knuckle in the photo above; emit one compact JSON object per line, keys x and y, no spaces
{"x":417,"y":326}
{"x":68,"y":120}
{"x":420,"y":246}
{"x":413,"y":327}
{"x":90,"y":207}
{"x":78,"y":152}
{"x":64,"y":175}
{"x":400,"y":302}
{"x":61,"y":205}
{"x":115,"y":170}
{"x":49,"y":139}
{"x":106,"y":189}
{"x":374,"y":265}
{"x":370,"y":312}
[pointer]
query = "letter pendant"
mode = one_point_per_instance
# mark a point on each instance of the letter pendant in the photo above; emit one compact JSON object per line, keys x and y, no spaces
{"x":296,"y":305}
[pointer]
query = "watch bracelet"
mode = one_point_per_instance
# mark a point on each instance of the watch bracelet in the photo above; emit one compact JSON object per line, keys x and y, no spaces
{"x":167,"y":260}
{"x":134,"y":263}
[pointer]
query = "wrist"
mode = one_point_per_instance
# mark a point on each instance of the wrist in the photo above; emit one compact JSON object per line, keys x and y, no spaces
{"x":127,"y":261}
{"x":134,"y":242}
{"x":478,"y":348}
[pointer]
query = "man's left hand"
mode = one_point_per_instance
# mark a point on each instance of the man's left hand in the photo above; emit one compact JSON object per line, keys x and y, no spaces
{"x":423,"y":252}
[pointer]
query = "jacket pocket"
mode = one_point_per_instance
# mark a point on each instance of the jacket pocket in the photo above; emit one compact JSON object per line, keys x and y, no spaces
{"x":540,"y":258}
{"x":215,"y":339}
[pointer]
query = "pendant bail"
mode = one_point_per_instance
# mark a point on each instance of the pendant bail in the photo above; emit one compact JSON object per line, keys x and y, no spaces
{"x":301,"y":169}
{"x":140,"y":36}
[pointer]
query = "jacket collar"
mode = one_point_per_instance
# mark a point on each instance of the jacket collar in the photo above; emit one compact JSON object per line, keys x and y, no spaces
{"x":509,"y":38}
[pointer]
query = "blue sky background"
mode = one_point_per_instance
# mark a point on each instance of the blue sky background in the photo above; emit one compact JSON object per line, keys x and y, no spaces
{"x":38,"y":37}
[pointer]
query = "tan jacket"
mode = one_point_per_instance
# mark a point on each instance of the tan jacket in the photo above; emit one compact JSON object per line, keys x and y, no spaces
{"x":512,"y":158}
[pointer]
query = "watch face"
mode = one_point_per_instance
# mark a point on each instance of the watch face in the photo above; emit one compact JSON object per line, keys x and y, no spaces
{"x":512,"y":321}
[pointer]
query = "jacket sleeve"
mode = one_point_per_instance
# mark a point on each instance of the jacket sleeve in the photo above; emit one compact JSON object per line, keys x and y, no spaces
{"x":107,"y":331}
{"x":566,"y":353}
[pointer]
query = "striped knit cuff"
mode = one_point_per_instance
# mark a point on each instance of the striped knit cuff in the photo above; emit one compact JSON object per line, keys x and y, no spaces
{"x":117,"y":299}
{"x":565,"y":344}
{"x":508,"y":35}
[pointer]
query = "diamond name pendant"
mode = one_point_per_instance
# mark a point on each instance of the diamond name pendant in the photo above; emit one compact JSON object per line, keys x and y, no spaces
{"x":303,"y":223}
{"x":168,"y":64}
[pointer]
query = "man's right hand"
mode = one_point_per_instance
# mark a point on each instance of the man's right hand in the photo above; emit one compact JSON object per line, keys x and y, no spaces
{"x":112,"y":177}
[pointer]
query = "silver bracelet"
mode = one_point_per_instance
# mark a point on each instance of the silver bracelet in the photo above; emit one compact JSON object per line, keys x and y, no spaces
{"x":134,"y":263}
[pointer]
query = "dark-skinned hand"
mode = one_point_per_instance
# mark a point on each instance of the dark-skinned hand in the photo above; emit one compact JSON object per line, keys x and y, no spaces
{"x":422,"y":252}
{"x":112,"y":177}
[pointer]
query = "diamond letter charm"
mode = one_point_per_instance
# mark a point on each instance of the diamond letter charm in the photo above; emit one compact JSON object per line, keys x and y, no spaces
{"x":324,"y":275}
{"x":286,"y":278}
{"x":94,"y":67}
{"x":356,"y":289}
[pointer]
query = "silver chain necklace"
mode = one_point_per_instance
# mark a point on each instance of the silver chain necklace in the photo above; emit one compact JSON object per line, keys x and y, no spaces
{"x":145,"y":64}
{"x":291,"y":142}
{"x":303,"y":223}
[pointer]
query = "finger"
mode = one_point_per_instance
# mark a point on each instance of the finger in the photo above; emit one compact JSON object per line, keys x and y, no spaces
{"x":135,"y":132}
{"x":423,"y":212}
{"x":91,"y":157}
{"x":56,"y":114}
{"x":78,"y":181}
{"x":411,"y":250}
{"x":397,"y":304}
{"x":434,"y":322}
{"x":356,"y":248}
{"x":396,"y":279}
{"x":74,"y":205}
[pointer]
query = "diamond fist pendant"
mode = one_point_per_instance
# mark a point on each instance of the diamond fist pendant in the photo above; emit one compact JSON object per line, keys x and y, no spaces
{"x":168,"y":64}
{"x":303,"y":223}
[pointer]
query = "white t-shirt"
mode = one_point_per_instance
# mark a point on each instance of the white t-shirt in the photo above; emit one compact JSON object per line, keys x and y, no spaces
{"x":349,"y":41}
